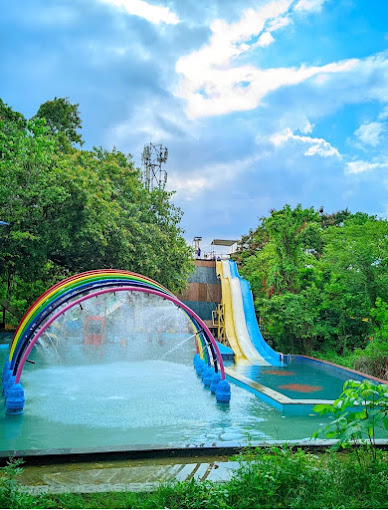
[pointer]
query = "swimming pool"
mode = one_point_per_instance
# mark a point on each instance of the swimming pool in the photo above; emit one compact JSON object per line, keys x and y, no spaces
{"x":138,"y":402}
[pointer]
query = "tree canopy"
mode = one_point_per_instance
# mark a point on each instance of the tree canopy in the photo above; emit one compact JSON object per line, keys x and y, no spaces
{"x":74,"y":210}
{"x":317,"y":278}
{"x":62,"y":119}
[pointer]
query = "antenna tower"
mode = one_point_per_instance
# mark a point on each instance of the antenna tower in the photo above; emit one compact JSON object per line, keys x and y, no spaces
{"x":153,"y":174}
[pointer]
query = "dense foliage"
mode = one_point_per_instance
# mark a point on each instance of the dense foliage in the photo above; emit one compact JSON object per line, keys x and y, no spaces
{"x":272,"y":478}
{"x":359,"y":417}
{"x":62,"y":120}
{"x":321,"y":282}
{"x":73,"y":210}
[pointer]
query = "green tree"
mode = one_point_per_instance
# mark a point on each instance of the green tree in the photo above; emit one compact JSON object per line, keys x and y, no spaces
{"x":316,"y":276}
{"x":11,"y":121}
{"x":280,"y":269}
{"x":355,"y":262}
{"x":75,"y":210}
{"x":290,"y":230}
{"x":29,"y":194}
{"x":63,"y":121}
{"x":110,"y":220}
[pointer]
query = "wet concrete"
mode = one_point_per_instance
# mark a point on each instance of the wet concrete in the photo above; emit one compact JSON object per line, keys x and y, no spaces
{"x":136,"y":475}
{"x":119,"y":476}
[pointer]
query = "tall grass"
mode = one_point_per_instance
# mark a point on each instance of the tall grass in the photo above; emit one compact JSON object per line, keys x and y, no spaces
{"x":272,"y":478}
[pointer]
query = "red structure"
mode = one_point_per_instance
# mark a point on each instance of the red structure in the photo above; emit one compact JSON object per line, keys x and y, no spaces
{"x":94,"y":330}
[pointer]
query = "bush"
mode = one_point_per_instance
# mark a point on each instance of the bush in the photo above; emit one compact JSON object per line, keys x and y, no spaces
{"x":377,"y":366}
{"x":374,"y":358}
{"x":360,"y":413}
{"x":371,"y":360}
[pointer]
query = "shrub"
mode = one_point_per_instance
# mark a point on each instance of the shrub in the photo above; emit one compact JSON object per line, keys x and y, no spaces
{"x":360,"y":413}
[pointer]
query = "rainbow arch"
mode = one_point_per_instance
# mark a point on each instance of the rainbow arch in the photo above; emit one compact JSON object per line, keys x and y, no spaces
{"x":78,"y":288}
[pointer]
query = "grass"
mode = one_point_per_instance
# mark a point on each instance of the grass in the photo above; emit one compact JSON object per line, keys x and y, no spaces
{"x":347,"y":359}
{"x":273,"y":478}
{"x":370,"y":362}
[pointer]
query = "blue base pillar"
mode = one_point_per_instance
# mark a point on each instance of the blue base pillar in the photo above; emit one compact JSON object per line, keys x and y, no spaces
{"x":223,"y":394}
{"x":6,"y":367}
{"x":8,"y":380}
{"x":14,"y":402}
{"x":200,"y":367}
{"x":207,"y":376}
{"x":215,"y":380}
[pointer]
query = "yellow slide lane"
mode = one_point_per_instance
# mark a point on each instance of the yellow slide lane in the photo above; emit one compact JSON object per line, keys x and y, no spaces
{"x":226,"y":301}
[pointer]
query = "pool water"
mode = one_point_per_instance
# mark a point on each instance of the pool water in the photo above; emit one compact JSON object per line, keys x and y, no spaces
{"x":125,"y":401}
{"x":298,"y":380}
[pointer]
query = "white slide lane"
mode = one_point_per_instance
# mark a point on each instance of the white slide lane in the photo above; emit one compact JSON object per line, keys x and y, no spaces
{"x":243,"y":337}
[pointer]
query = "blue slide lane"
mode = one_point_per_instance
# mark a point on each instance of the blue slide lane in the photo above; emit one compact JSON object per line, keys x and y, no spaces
{"x":257,"y":339}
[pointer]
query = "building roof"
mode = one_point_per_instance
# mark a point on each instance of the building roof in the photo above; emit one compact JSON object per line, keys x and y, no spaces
{"x":223,"y":242}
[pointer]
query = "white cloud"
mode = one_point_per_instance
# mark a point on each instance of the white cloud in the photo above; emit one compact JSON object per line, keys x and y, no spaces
{"x":265,"y":39}
{"x":216,"y":91}
{"x":308,"y":128}
{"x":156,"y":121}
{"x":154,"y":13}
{"x":384,"y":114}
{"x":212,"y":83}
{"x":209,"y":177}
{"x":309,"y":5}
{"x":357,"y":167}
{"x":318,"y":146}
{"x":188,"y":187}
{"x":369,"y":133}
{"x":278,"y":23}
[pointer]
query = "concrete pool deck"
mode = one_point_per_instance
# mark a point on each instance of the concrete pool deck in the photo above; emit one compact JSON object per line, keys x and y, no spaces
{"x":154,"y":452}
{"x":134,"y":476}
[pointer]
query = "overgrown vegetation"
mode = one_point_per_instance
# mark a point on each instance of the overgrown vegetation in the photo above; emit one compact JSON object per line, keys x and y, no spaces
{"x":272,"y":478}
{"x":72,"y":210}
{"x":360,"y":416}
{"x":320,"y":283}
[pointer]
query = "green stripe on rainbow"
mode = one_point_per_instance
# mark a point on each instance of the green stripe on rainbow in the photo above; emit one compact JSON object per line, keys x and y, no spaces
{"x":84,"y":279}
{"x":71,"y":292}
{"x":71,"y":284}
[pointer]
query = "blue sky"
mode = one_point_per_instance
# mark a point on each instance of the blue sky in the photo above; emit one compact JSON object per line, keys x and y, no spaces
{"x":260,"y":103}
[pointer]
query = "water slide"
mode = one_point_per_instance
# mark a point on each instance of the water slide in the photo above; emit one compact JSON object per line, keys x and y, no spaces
{"x":241,"y":326}
{"x":228,"y":314}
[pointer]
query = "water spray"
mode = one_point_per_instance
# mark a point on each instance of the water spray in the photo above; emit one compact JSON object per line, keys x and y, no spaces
{"x":181,"y":343}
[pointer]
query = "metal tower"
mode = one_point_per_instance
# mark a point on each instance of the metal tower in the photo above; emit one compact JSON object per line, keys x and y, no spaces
{"x":153,"y":157}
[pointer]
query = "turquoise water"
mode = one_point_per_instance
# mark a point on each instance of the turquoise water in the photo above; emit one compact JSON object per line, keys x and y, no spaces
{"x":298,"y":380}
{"x":124,"y":401}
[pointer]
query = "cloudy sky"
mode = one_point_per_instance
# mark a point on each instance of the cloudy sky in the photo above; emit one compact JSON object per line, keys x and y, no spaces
{"x":260,"y":102}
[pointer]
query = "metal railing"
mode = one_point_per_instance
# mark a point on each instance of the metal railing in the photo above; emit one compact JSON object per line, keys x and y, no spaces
{"x":213,"y":256}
